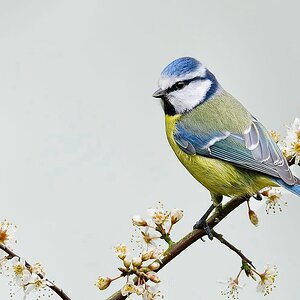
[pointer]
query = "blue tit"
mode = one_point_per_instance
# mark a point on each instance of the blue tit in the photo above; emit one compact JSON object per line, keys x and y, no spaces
{"x":218,"y":141}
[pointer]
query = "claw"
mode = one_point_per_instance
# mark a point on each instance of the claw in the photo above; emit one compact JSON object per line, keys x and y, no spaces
{"x":202,"y":224}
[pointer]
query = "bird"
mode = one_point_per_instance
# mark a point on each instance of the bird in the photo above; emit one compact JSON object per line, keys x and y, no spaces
{"x":220,"y":143}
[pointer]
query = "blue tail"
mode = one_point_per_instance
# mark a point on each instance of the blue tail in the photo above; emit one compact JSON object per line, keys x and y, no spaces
{"x":292,"y":188}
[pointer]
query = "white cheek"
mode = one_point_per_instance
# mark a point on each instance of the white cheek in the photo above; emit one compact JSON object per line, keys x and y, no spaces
{"x":190,"y":96}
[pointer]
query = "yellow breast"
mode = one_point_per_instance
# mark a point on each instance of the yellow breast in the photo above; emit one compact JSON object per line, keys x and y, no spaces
{"x":217,"y":176}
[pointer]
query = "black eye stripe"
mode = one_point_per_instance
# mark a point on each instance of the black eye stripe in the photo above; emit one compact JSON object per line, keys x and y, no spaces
{"x":186,"y":82}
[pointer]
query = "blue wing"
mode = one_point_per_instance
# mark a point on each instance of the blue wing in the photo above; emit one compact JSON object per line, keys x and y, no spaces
{"x":254,"y":150}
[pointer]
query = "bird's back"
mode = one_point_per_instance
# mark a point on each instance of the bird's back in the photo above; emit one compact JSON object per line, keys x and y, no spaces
{"x":221,"y":113}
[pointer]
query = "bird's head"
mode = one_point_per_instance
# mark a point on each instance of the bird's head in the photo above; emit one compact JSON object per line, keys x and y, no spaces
{"x":184,"y":84}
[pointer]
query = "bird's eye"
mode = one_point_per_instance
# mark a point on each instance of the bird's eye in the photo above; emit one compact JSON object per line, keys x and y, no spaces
{"x":179,"y":85}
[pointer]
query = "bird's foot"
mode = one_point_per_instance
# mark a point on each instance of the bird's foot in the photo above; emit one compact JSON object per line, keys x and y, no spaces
{"x":202,"y":224}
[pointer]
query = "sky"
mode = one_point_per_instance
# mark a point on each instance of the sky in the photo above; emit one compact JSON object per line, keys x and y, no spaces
{"x":83,"y":146}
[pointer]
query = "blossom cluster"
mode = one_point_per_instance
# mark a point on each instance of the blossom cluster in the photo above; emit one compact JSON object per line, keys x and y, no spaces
{"x":21,"y":275}
{"x":265,"y":285}
{"x":141,"y":270}
{"x":290,"y":146}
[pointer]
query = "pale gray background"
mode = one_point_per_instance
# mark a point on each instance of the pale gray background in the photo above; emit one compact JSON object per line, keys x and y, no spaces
{"x":83,"y":146}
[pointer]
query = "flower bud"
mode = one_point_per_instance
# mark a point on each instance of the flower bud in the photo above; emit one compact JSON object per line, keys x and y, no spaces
{"x":154,"y":266}
{"x":155,"y":253}
{"x":126,"y":263}
{"x":153,"y":277}
{"x":146,"y":255}
{"x":253,"y":217}
{"x":136,"y":261}
{"x":139,"y":221}
{"x":103,"y":283}
{"x":176,"y":215}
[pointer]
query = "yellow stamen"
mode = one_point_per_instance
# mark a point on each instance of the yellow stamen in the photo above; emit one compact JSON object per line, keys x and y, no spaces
{"x":18,"y":269}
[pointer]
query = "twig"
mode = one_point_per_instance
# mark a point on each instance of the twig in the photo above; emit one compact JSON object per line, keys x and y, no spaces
{"x":292,"y":160}
{"x":220,"y":237}
{"x":53,"y":287}
{"x":192,"y":237}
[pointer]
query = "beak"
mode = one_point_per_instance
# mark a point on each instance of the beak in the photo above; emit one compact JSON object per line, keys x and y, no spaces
{"x":159,"y":93}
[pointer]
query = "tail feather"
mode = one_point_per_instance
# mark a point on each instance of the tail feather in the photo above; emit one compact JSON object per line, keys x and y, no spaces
{"x":292,"y":188}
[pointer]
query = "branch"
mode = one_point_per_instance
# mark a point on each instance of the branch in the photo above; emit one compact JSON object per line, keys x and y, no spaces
{"x":220,"y":237}
{"x":292,"y":161}
{"x":193,"y":236}
{"x":219,"y":214}
{"x":53,"y":287}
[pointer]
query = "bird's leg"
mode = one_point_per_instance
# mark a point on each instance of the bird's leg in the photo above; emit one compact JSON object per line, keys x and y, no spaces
{"x":219,"y":209}
{"x":202,"y":223}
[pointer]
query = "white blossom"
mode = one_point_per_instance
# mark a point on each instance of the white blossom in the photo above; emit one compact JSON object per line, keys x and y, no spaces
{"x":18,"y":271}
{"x":233,"y":287}
{"x":37,"y":268}
{"x":291,"y":143}
{"x":131,"y":288}
{"x":267,"y":279}
{"x":274,"y":200}
{"x":158,"y":216}
{"x":34,"y":284}
{"x":121,"y":250}
{"x":295,"y":128}
{"x":7,"y":230}
{"x":149,"y":238}
{"x":151,"y":292}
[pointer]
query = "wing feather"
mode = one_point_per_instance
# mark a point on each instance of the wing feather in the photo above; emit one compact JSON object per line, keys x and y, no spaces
{"x":254,"y":150}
